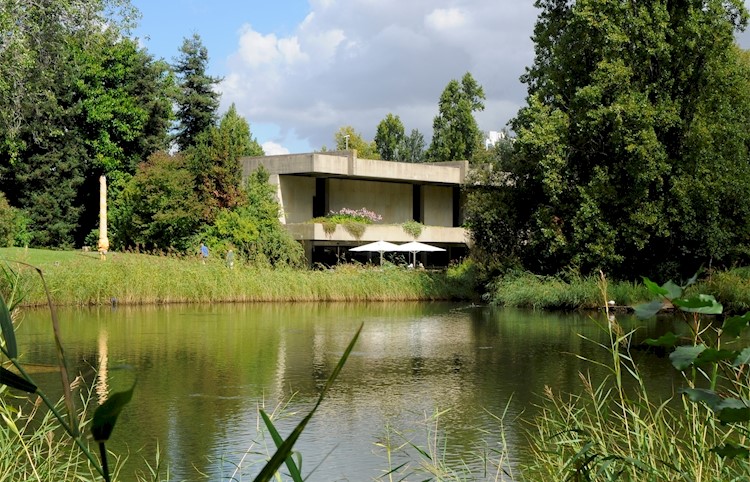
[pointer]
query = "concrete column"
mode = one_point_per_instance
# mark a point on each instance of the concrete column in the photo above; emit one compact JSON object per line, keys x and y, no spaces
{"x":103,"y":239}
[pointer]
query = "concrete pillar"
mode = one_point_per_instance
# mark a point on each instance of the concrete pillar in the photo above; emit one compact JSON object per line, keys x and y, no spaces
{"x":103,"y":239}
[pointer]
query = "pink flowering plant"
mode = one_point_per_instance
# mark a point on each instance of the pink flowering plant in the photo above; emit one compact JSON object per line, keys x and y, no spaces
{"x":348,"y":215}
{"x":362,"y":215}
{"x":353,"y":220}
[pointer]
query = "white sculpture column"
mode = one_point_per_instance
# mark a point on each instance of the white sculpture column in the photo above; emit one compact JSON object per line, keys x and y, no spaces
{"x":103,"y":240}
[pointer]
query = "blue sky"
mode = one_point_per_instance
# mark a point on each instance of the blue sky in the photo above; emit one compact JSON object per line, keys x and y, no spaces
{"x":299,"y":70}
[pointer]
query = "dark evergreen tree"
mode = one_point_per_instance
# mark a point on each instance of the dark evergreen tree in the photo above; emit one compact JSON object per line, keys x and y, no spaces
{"x":197,"y":101}
{"x":215,"y":163}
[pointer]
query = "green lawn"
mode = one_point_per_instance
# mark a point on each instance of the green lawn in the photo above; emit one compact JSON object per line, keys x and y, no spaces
{"x":42,"y":257}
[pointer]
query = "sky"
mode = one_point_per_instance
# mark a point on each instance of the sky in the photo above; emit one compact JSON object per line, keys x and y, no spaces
{"x":298,"y":70}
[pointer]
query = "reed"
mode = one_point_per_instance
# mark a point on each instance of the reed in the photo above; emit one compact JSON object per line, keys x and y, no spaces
{"x":613,"y":429}
{"x":424,"y":453}
{"x":32,"y":446}
{"x":731,"y":287}
{"x":136,"y":278}
{"x":526,"y":290}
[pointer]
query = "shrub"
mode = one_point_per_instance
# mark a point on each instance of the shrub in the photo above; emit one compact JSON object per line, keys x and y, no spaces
{"x":354,"y":221}
{"x":13,"y":225}
{"x":253,"y":228}
{"x":412,"y":228}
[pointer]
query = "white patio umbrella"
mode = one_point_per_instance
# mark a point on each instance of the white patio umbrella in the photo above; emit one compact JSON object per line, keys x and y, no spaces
{"x":415,"y":247}
{"x":378,"y":247}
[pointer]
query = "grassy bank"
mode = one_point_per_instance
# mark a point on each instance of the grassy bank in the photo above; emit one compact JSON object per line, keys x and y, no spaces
{"x":526,"y":290}
{"x":76,"y":278}
{"x":731,"y":288}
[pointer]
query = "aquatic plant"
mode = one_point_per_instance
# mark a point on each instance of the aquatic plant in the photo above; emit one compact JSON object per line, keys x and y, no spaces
{"x":105,"y":416}
{"x":527,"y":290}
{"x":614,"y":430}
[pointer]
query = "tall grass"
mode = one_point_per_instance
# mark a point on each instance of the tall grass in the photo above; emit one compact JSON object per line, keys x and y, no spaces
{"x":129,"y":278}
{"x":731,"y":287}
{"x":33,"y":447}
{"x":425,"y":453}
{"x":526,"y":290}
{"x":614,"y":430}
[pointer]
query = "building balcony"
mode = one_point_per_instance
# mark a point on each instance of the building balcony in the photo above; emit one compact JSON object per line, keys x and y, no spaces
{"x":394,"y":233}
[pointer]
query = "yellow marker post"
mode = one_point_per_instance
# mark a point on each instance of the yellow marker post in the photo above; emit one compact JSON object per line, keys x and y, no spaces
{"x":103,"y":240}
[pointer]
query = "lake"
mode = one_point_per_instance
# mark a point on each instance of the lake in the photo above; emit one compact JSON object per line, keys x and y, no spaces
{"x":431,"y":375}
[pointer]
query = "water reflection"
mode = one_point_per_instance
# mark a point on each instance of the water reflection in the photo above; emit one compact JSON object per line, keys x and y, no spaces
{"x":203,"y":371}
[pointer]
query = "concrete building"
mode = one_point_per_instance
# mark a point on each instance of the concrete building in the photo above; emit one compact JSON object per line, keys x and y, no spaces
{"x":312,"y":185}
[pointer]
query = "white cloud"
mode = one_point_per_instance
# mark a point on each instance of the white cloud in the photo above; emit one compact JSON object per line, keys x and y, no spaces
{"x":353,"y":62}
{"x":445,"y":18}
{"x":257,"y":50}
{"x":272,"y":148}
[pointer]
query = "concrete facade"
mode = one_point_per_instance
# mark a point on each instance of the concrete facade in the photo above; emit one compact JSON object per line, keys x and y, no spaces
{"x":312,"y":185}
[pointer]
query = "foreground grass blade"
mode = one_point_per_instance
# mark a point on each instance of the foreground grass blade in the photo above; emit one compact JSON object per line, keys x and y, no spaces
{"x":293,"y":469}
{"x":9,"y":334}
{"x":104,"y":421}
{"x":9,"y":378}
{"x":106,"y":414}
{"x":285,"y":449}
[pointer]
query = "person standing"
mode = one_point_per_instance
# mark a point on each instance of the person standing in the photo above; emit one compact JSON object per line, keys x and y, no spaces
{"x":204,"y":253}
{"x":230,"y":258}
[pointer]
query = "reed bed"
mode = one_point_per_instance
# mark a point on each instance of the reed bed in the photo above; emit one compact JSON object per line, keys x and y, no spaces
{"x":32,"y":446}
{"x":731,"y":288}
{"x":526,"y":290}
{"x":614,"y":429}
{"x":134,"y":278}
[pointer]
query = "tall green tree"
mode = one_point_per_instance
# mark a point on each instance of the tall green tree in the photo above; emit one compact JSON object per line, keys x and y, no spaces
{"x":456,"y":134}
{"x":76,"y":100}
{"x":414,"y":147}
{"x":198,"y":100}
{"x":43,"y":146}
{"x":632,"y":146}
{"x":390,"y":138}
{"x":348,"y":138}
{"x":490,"y":214}
{"x":215,"y":162}
{"x":33,"y":50}
{"x":124,"y":113}
{"x":158,"y":208}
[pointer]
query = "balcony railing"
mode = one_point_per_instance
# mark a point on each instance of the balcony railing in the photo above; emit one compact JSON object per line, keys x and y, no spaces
{"x":375,"y":232}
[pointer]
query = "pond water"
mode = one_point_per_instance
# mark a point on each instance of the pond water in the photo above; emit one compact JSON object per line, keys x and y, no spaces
{"x":421,"y":372}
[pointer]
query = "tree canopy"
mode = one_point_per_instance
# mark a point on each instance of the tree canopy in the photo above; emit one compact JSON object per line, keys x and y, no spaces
{"x":79,"y":98}
{"x":456,"y":134}
{"x":632,"y":148}
{"x":348,"y":138}
{"x":215,"y":162}
{"x":198,"y":101}
{"x":390,"y":138}
{"x":76,"y":100}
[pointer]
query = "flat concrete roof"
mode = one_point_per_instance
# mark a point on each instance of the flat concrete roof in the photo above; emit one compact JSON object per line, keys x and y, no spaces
{"x":345,"y":164}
